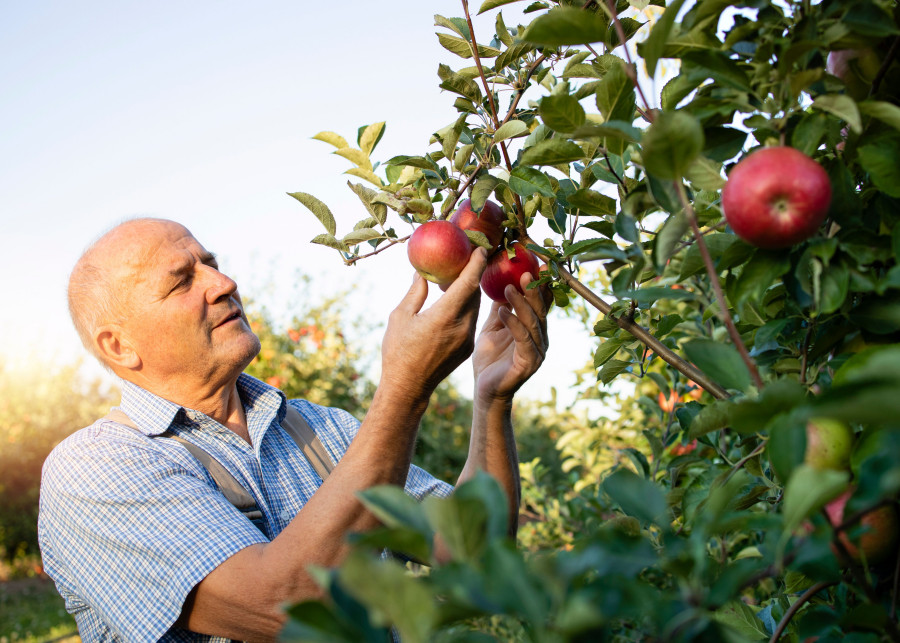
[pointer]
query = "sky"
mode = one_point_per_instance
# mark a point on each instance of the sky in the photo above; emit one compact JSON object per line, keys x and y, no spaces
{"x":204,"y":112}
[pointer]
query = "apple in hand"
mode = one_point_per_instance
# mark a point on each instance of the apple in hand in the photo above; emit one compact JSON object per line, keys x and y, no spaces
{"x":776,"y":197}
{"x":828,"y":444}
{"x":879,"y":542}
{"x":489,"y":221}
{"x":439,"y":250}
{"x":502,"y":270}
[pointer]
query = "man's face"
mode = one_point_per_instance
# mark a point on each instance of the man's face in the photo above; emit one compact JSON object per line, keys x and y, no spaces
{"x":184,"y":317}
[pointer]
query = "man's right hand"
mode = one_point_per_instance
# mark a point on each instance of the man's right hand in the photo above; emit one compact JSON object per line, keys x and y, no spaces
{"x":421,"y":348}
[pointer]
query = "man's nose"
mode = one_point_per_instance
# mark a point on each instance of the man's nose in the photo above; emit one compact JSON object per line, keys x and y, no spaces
{"x":219,"y":285}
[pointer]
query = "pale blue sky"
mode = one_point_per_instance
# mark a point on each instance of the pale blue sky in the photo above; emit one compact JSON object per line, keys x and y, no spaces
{"x":203,"y":112}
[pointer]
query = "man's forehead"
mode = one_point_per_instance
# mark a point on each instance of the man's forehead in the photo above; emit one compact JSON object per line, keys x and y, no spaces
{"x":140,"y":246}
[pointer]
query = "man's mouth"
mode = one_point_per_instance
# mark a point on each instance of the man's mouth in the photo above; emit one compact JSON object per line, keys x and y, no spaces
{"x":236,"y":315}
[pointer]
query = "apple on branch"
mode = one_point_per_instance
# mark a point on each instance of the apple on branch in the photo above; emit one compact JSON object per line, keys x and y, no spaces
{"x":776,"y":197}
{"x":504,"y":270}
{"x":489,"y":221}
{"x":439,"y":250}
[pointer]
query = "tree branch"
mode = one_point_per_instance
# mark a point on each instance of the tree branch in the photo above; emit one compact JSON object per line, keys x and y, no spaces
{"x":724,"y":313}
{"x":793,"y":609}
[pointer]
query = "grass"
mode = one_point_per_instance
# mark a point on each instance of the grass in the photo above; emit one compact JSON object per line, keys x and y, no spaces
{"x":31,"y":611}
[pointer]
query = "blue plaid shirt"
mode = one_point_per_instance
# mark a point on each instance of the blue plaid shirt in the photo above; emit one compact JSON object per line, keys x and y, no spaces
{"x":130,"y":524}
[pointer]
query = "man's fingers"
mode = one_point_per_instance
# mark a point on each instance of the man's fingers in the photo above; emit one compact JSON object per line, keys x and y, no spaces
{"x":468,"y":283}
{"x":415,"y":297}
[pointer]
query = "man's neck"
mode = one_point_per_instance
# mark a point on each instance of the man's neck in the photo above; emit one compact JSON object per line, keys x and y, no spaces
{"x":221,"y":403}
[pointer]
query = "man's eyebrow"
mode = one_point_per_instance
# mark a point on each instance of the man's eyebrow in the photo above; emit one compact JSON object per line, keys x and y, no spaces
{"x":208,"y":257}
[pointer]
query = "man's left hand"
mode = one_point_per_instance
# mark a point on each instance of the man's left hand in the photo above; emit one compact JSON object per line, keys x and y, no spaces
{"x":513,"y":342}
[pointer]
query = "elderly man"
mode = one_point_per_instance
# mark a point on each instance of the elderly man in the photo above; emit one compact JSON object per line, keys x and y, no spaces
{"x":140,"y":540}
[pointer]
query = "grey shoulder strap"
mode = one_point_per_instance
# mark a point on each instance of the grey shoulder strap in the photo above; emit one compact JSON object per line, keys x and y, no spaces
{"x":233,"y":491}
{"x":296,"y":426}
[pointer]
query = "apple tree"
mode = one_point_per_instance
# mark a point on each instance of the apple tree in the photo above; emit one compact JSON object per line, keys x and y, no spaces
{"x":721,"y":519}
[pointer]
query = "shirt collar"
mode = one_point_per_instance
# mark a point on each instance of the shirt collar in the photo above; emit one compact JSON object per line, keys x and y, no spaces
{"x":154,"y":415}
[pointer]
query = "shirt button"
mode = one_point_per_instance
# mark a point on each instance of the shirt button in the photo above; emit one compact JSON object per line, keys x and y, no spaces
{"x":286,"y":514}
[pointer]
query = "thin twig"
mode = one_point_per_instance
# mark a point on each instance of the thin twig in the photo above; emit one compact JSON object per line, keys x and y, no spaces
{"x":392,"y":242}
{"x":724,"y":313}
{"x":630,"y":67}
{"x":793,"y":609}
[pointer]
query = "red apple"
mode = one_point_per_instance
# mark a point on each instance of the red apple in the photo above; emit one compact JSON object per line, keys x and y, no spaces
{"x":502,"y":270}
{"x":439,"y":250}
{"x":879,"y":542}
{"x":776,"y":197}
{"x":828,"y":444}
{"x":489,"y":221}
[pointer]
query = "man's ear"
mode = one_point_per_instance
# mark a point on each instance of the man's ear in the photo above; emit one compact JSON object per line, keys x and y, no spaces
{"x":115,"y":348}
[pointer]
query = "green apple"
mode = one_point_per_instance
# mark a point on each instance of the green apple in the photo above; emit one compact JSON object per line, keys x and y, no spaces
{"x":828,"y":444}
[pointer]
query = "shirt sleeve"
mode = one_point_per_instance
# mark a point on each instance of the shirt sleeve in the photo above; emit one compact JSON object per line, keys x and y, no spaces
{"x":132,"y":526}
{"x":336,"y":429}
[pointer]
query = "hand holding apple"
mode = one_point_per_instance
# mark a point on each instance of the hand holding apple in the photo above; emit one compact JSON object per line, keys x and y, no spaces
{"x":513,"y":342}
{"x":776,"y":197}
{"x":504,"y":270}
{"x":439,"y":250}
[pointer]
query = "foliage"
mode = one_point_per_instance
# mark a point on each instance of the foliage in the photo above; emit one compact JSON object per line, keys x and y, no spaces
{"x":686,"y":533}
{"x":37,"y":410}
{"x":31,"y":611}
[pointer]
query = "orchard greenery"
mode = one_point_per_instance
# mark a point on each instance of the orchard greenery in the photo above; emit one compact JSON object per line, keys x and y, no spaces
{"x":686,"y":532}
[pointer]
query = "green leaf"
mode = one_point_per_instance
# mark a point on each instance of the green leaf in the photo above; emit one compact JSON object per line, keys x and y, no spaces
{"x":752,"y":415}
{"x":487,"y":5}
{"x":526,"y":181}
{"x":567,"y":26}
{"x":807,"y":491}
{"x":333,"y":139}
{"x":552,"y":151}
{"x":671,"y":144}
{"x":391,"y":594}
{"x":841,"y":106}
{"x":615,"y":95}
{"x":367,"y":196}
{"x":878,"y":316}
{"x":667,"y":239}
{"x":721,"y":362}
{"x":463,"y":48}
{"x":760,"y":274}
{"x":510,"y":129}
{"x":882,"y":110}
{"x":562,"y":112}
{"x":612,"y":369}
{"x":319,"y":209}
{"x":355,"y":156}
{"x":651,"y":49}
{"x":482,"y":190}
{"x":395,"y":508}
{"x":369,"y":135}
{"x":469,"y":519}
{"x":713,"y":417}
{"x":740,"y":617}
{"x":716,"y":65}
{"x":331,"y":241}
{"x":882,"y":161}
{"x":479,"y":239}
{"x":592,"y":203}
{"x":637,"y":496}
{"x":360,"y":236}
{"x":607,"y":350}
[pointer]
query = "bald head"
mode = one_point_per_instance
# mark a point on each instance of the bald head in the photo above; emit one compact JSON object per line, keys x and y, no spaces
{"x":101,"y":280}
